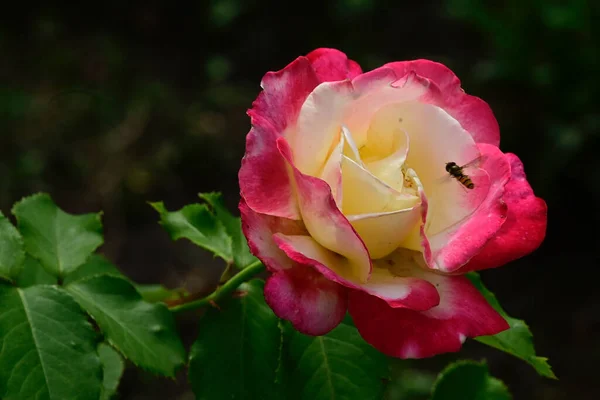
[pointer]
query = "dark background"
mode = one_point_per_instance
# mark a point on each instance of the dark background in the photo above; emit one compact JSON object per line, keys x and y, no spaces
{"x":110,"y":105}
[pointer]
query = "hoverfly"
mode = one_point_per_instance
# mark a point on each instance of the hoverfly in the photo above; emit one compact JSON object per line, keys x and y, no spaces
{"x":457,"y":172}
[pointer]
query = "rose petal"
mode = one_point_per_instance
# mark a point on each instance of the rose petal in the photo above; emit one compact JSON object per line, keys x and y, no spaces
{"x":312,"y":303}
{"x":382,"y":233}
{"x":452,"y":248}
{"x":389,"y":167}
{"x":324,"y":220}
{"x":398,"y":291}
{"x":404,"y":333}
{"x":332,"y":171}
{"x":259,"y":230}
{"x":474,"y":114}
{"x":524,"y":228}
{"x":332,"y":65}
{"x":319,"y":125}
{"x":375,"y":90}
{"x":414,"y":240}
{"x":435,"y":139}
{"x":264,"y":182}
{"x":364,"y":193}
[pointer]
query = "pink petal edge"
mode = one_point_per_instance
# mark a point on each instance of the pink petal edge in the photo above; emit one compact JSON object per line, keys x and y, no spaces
{"x":312,"y":303}
{"x":399,"y":332}
{"x":408,"y":292}
{"x":259,"y":230}
{"x":324,"y":220}
{"x":524,"y":228}
{"x":449,"y":250}
{"x":333,"y":65}
{"x":474,"y":114}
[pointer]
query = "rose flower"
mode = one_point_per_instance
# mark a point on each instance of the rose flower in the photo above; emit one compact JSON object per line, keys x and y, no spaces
{"x":374,"y":193}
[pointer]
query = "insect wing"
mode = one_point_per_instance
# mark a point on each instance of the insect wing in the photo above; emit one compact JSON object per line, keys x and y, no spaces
{"x":475,"y":163}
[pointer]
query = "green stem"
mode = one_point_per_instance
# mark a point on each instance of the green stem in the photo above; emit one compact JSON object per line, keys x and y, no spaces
{"x":253,"y":269}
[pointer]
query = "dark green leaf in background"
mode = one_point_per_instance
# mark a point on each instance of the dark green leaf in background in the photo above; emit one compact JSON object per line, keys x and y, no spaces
{"x":468,"y":380}
{"x":196,"y":223}
{"x":94,"y":266}
{"x":61,"y":241}
{"x":408,"y":381}
{"x":339,"y":365}
{"x":518,"y":340}
{"x":48,"y":346}
{"x":11,"y":250}
{"x":113,"y":367}
{"x":233,"y":225}
{"x":34,"y":274}
{"x":237,"y":350}
{"x":144,"y":333}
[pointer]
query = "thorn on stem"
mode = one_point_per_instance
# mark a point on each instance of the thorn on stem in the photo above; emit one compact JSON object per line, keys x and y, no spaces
{"x":214,"y":304}
{"x":239,"y":294}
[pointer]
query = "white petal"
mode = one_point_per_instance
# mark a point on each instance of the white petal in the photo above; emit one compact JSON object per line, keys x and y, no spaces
{"x":319,"y":125}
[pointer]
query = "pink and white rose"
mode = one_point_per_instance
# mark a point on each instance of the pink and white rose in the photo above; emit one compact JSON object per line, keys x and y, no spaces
{"x":346,"y":200}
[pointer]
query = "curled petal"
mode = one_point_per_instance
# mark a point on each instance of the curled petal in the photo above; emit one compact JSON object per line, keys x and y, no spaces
{"x":375,"y":90}
{"x":332,"y":171}
{"x":319,"y":125}
{"x":524,"y":228}
{"x":397,"y":290}
{"x":357,"y":182}
{"x":452,"y":248}
{"x":402,"y":291}
{"x":264,"y":182}
{"x":474,"y":114}
{"x":388,"y":166}
{"x":384,"y":232}
{"x":312,"y":303}
{"x":259,"y":230}
{"x":404,"y":333}
{"x":332,"y":65}
{"x":324,"y":220}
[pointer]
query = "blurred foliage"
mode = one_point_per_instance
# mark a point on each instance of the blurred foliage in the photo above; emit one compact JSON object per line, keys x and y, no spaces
{"x":110,"y":107}
{"x":550,"y":50}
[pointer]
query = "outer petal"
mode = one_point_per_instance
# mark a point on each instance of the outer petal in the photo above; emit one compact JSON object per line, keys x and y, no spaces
{"x":474,"y":114}
{"x":259,"y":230}
{"x":325,"y":222}
{"x":524,"y":228}
{"x":312,"y":303}
{"x":264,"y":182}
{"x":450,"y":249}
{"x":402,"y":290}
{"x":333,"y":65}
{"x":404,"y":333}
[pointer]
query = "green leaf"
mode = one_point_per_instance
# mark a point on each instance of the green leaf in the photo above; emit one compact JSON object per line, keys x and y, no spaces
{"x":339,"y":365}
{"x":94,"y":266}
{"x":61,"y":241}
{"x":468,"y":380}
{"x":233,"y":225}
{"x":517,"y":340}
{"x":144,"y":333}
{"x":236,"y":353}
{"x":34,"y":274}
{"x":408,"y":382}
{"x":153,"y":293}
{"x":48,"y":346}
{"x":196,"y":223}
{"x":12,"y":254}
{"x":113,"y":367}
